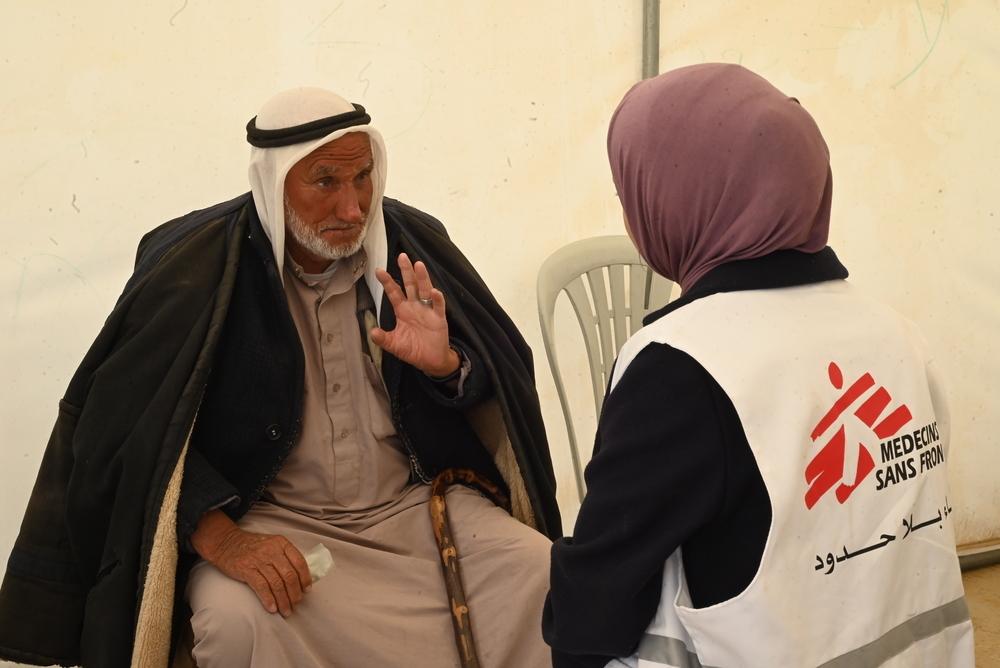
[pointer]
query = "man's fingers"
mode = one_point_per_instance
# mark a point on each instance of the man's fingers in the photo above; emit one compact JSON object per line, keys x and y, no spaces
{"x":298,"y":562}
{"x":409,"y":278}
{"x":438,"y":298}
{"x":392,"y":290}
{"x":291,"y":578}
{"x":273,"y":578}
{"x":379,"y":336}
{"x":424,"y":285}
{"x":283,"y":564}
{"x":261,"y":587}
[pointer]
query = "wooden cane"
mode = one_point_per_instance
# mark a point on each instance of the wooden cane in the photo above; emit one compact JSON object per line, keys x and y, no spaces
{"x":460,"y":619}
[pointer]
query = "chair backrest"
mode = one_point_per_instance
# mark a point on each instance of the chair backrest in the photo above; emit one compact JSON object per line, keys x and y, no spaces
{"x":611,"y":290}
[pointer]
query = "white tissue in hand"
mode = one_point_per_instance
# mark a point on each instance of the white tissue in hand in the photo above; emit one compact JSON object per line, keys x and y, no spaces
{"x":319,"y":561}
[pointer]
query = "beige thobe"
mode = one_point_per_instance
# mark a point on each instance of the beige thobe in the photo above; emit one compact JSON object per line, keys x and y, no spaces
{"x":347,"y":485}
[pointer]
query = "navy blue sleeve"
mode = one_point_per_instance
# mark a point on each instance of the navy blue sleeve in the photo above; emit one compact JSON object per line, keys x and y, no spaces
{"x":656,"y":477}
{"x":456,"y":392}
{"x":202,"y":489}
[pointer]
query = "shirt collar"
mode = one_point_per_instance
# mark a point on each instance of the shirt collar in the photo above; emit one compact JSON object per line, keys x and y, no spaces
{"x":354,"y":266}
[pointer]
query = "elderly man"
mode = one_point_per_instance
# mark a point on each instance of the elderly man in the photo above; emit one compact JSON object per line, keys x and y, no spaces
{"x":263,"y":387}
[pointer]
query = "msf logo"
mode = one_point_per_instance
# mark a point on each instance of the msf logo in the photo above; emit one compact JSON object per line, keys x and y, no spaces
{"x":827,"y":469}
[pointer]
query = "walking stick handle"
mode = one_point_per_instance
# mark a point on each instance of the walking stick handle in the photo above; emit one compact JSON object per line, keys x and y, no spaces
{"x":460,"y":618}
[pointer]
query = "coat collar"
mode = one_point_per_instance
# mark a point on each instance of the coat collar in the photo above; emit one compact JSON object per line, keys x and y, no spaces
{"x":781,"y":269}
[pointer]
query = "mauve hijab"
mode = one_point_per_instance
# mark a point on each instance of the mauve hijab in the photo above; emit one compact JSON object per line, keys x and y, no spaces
{"x":714,"y":164}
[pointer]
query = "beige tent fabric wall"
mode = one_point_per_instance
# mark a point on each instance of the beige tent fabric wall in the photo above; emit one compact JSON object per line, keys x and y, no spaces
{"x":907,"y":93}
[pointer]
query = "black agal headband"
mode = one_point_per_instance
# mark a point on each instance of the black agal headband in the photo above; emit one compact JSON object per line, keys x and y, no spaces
{"x":307,"y":131}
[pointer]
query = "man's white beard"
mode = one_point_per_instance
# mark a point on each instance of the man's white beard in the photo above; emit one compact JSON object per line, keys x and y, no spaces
{"x":309,"y":239}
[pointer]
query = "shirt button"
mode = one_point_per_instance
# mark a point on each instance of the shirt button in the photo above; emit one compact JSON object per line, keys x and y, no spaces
{"x":336,"y":387}
{"x":329,"y":338}
{"x":273,"y":432}
{"x":344,"y":433}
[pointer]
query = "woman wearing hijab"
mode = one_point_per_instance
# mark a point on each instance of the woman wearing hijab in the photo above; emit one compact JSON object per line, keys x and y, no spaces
{"x":767,"y":486}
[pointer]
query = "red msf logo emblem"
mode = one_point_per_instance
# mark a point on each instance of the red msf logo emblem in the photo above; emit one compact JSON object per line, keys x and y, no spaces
{"x":827,"y":468}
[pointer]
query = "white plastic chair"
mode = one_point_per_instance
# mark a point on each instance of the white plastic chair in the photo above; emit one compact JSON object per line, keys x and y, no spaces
{"x":611,"y":290}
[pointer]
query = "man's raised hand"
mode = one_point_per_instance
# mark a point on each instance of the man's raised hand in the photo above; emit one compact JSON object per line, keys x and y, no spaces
{"x":420,"y":337}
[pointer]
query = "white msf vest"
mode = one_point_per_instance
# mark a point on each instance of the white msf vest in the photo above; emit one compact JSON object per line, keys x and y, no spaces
{"x":843,"y":417}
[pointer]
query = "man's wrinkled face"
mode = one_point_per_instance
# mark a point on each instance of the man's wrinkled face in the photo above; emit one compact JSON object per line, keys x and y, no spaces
{"x":327,"y":197}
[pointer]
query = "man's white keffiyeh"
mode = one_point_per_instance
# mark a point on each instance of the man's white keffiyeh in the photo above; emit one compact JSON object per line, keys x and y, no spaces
{"x":269,"y":166}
